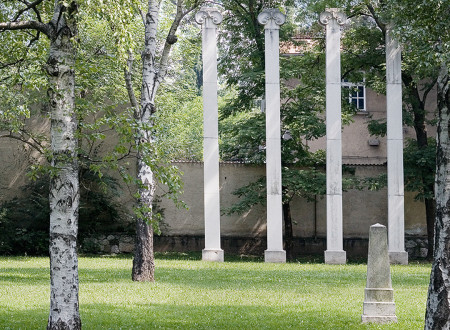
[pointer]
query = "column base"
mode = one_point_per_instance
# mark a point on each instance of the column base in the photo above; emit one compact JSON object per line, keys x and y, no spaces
{"x":398,"y":258}
{"x":335,"y":257}
{"x":212,"y":255}
{"x":275,"y":256}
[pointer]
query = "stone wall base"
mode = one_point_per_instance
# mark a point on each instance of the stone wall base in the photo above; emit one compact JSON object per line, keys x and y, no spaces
{"x":354,"y":247}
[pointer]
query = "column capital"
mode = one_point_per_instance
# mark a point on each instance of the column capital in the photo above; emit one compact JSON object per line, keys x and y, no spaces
{"x":271,"y":18}
{"x":330,"y":14}
{"x":206,"y":13}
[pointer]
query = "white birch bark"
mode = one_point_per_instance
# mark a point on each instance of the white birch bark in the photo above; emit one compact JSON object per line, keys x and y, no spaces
{"x":153,"y":74}
{"x":143,"y":261}
{"x":438,"y":302}
{"x":64,"y":185}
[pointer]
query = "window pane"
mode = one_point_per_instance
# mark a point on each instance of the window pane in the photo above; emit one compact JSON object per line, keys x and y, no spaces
{"x":361,"y":104}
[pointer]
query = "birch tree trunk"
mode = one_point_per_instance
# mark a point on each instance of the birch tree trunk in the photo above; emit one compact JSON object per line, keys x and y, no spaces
{"x":144,"y":262}
{"x":64,"y":185}
{"x":438,"y":303}
{"x":152,"y":76}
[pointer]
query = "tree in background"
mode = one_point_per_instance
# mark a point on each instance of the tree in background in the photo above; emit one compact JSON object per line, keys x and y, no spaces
{"x":155,"y":64}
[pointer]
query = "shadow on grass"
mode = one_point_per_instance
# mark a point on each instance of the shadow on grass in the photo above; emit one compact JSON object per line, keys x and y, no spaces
{"x":29,"y":276}
{"x":24,"y":319}
{"x":171,"y":316}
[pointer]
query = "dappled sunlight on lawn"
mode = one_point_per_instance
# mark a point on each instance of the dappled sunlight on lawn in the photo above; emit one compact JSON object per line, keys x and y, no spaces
{"x":189,"y":293}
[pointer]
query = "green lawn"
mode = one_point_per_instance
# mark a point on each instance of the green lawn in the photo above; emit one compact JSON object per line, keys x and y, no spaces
{"x":189,"y":293}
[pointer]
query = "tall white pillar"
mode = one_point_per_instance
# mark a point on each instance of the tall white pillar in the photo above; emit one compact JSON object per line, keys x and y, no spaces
{"x":396,"y":210}
{"x":209,"y":18}
{"x":272,"y":18}
{"x":332,"y":19}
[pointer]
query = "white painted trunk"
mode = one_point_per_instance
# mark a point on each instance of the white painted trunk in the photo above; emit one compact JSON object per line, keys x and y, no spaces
{"x":438,"y":303}
{"x":64,"y":185}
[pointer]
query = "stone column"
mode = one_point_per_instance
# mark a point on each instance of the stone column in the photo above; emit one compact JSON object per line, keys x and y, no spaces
{"x":396,"y":210}
{"x":379,"y":306}
{"x":209,"y":18}
{"x":332,"y":19}
{"x":272,"y":19}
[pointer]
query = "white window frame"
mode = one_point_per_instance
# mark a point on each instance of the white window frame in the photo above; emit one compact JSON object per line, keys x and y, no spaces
{"x":357,"y":97}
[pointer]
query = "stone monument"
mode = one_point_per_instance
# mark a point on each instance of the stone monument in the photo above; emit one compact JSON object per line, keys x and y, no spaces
{"x":272,"y":18}
{"x":379,"y":306}
{"x":209,"y":18}
{"x":332,"y":19}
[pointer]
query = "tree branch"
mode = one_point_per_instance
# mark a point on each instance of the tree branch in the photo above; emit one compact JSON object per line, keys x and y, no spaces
{"x":129,"y":85}
{"x":428,"y":90}
{"x":21,"y":139}
{"x":29,"y":6}
{"x":239,"y":4}
{"x":171,"y":39}
{"x":26,"y":25}
{"x":377,"y":19}
{"x":4,"y":65}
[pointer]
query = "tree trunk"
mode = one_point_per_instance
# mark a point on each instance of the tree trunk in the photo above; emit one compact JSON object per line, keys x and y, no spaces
{"x":438,"y":309}
{"x":288,"y":232}
{"x":419,"y":112}
{"x":152,"y":76}
{"x":64,"y":185}
{"x":144,"y":261}
{"x":430,"y":213}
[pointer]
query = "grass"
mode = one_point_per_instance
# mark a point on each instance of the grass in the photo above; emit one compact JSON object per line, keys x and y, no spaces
{"x":189,"y":293}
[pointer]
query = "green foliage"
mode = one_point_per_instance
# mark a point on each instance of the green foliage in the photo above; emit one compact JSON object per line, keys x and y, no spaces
{"x":377,"y":127}
{"x":179,"y":126}
{"x":420,"y":167}
{"x":424,"y":28}
{"x":179,"y":119}
{"x":241,"y":49}
{"x":24,"y":220}
{"x":242,"y":137}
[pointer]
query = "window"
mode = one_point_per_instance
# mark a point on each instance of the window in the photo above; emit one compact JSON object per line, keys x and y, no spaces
{"x":356,"y":94}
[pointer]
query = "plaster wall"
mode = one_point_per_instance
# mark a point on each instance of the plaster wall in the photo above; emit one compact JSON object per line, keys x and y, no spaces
{"x":361,"y":209}
{"x":356,"y":137}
